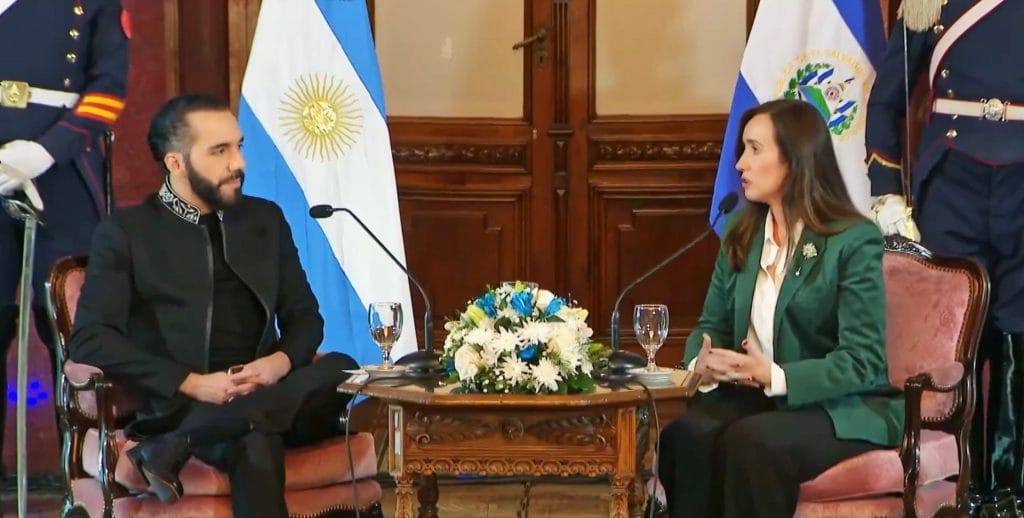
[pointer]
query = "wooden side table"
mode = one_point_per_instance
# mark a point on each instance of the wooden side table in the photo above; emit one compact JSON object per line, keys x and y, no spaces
{"x":434,"y":432}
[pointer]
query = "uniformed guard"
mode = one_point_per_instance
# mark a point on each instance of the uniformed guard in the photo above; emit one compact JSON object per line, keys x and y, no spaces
{"x":967,"y":184}
{"x":63,"y":70}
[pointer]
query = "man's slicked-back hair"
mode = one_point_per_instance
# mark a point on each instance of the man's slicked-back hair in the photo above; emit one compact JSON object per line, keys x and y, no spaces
{"x":169,"y":131}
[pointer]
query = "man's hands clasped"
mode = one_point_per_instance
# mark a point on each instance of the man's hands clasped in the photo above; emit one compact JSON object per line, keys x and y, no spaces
{"x":221,"y":387}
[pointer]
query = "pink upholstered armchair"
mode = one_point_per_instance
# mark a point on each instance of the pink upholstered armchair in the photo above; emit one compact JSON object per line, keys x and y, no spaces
{"x":101,"y":481}
{"x":935,"y":311}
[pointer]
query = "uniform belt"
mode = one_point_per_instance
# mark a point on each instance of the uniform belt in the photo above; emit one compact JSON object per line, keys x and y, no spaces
{"x":991,"y":109}
{"x":18,"y":94}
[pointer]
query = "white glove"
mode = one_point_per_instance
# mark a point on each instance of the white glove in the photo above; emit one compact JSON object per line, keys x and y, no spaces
{"x":20,"y":162}
{"x":24,"y":159}
{"x":8,"y":182}
{"x":892,"y":216}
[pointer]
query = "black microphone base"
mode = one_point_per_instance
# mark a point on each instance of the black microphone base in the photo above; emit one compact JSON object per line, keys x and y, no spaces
{"x":424,"y":364}
{"x":622,"y":361}
{"x":610,"y":377}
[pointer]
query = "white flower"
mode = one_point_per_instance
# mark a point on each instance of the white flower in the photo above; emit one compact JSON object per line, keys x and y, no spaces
{"x":563,"y":343}
{"x":467,"y":362}
{"x":586,"y":367}
{"x":514,"y":370}
{"x":544,"y":297}
{"x":451,"y":325}
{"x":490,"y":354}
{"x":509,"y":313}
{"x":534,"y":332}
{"x":571,"y":315}
{"x":450,"y":341}
{"x":547,"y":375}
{"x":505,"y":341}
{"x":480,"y":336}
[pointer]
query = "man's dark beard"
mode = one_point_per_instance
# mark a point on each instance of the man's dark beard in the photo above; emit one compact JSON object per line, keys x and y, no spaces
{"x":208,"y":191}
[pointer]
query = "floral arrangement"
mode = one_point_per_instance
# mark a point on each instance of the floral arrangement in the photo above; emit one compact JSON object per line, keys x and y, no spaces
{"x":517,"y":339}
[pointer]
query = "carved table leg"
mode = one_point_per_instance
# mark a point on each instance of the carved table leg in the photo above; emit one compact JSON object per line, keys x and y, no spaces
{"x":638,"y":498}
{"x":428,"y":496}
{"x":403,"y":497}
{"x":621,"y":489}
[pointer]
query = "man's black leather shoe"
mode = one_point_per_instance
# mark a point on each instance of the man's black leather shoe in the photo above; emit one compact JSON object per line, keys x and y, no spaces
{"x":160,"y":459}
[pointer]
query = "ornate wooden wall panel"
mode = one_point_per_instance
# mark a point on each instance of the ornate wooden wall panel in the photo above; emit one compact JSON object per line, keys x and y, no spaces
{"x":464,"y":196}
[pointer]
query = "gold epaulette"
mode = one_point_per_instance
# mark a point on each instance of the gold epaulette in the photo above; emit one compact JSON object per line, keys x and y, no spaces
{"x":920,"y":15}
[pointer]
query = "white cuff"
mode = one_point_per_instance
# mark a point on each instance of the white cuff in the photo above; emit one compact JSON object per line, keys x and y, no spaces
{"x":703,"y":387}
{"x":778,"y":384}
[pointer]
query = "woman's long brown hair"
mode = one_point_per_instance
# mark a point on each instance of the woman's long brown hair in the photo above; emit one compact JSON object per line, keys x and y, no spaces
{"x":813,"y":191}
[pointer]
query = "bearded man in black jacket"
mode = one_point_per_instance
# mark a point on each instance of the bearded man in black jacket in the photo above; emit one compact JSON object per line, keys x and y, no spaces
{"x":183,"y":299}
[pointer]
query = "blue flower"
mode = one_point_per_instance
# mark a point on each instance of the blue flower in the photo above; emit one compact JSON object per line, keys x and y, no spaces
{"x":488,"y":304}
{"x":449,"y":367}
{"x":522,"y":302}
{"x":555,"y":305}
{"x":528,"y":353}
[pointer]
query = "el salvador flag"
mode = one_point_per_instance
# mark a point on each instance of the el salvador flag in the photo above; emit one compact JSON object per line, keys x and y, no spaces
{"x":312,"y":112}
{"x":823,"y":52}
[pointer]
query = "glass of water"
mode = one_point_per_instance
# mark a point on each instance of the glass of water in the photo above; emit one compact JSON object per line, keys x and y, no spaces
{"x":385,"y":320}
{"x":650,"y":322}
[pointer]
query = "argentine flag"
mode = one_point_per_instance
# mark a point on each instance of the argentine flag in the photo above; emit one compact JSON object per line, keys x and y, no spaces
{"x":312,"y":113}
{"x":823,"y":52}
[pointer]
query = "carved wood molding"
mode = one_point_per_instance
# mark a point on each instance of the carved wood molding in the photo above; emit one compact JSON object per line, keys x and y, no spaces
{"x":580,"y":430}
{"x":439,"y":429}
{"x":512,"y":466}
{"x":611,"y":151}
{"x":435,"y":153}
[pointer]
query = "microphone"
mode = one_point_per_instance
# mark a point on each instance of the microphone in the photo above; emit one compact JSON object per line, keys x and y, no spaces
{"x":621,"y":361}
{"x":425,"y":363}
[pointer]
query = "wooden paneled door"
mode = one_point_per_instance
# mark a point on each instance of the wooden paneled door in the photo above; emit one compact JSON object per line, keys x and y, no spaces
{"x":553,"y":191}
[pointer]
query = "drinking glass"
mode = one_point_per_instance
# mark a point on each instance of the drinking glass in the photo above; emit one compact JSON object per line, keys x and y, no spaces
{"x":650,"y":322}
{"x":385,"y":327}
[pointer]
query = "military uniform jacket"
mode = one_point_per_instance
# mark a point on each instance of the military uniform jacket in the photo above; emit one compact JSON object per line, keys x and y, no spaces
{"x":985,"y":62}
{"x":77,"y":46}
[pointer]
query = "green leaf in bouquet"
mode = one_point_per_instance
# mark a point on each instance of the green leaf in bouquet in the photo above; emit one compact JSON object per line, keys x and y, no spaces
{"x":503,"y":323}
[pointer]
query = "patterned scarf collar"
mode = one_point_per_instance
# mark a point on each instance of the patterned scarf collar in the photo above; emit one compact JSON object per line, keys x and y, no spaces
{"x":177,"y":205}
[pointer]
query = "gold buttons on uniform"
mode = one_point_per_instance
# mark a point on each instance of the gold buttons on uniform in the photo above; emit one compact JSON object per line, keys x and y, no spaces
{"x":949,"y":93}
{"x":67,"y":82}
{"x":951,"y":133}
{"x":73,"y":33}
{"x":939,"y":28}
{"x":71,"y":57}
{"x":79,"y":10}
{"x":944,"y":73}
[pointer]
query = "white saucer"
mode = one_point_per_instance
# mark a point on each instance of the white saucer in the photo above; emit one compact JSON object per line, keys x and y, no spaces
{"x":377,"y":371}
{"x":661,"y":377}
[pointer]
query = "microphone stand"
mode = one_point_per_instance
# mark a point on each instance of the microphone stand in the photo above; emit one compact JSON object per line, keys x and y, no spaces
{"x":621,"y":361}
{"x":24,"y":212}
{"x":419,"y":364}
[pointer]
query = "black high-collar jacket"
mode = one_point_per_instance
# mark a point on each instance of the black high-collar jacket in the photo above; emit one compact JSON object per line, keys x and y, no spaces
{"x":145,"y":311}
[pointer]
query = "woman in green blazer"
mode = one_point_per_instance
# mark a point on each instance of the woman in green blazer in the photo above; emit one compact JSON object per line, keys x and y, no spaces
{"x":790,"y":347}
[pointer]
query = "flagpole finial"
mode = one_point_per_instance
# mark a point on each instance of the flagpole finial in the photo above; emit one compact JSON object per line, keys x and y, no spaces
{"x":920,"y":15}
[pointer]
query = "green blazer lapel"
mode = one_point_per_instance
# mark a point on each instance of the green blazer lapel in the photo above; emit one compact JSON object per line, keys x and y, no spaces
{"x":808,"y":250}
{"x":746,"y":279}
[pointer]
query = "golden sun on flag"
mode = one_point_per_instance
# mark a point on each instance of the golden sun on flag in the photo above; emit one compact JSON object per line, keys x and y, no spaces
{"x":320,"y":116}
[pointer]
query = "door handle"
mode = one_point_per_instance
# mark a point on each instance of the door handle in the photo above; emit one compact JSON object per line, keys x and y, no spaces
{"x":537,"y":37}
